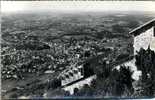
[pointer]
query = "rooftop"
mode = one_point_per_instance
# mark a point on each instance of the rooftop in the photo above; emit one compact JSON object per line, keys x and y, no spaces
{"x":143,"y":28}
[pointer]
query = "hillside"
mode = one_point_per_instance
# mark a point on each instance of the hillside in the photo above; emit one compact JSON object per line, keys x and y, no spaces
{"x":33,"y":44}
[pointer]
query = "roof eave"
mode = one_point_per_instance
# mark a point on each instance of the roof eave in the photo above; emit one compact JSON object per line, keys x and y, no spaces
{"x":142,"y":28}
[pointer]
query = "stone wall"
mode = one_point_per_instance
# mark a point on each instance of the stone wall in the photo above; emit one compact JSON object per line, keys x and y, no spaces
{"x":79,"y":84}
{"x":72,"y":75}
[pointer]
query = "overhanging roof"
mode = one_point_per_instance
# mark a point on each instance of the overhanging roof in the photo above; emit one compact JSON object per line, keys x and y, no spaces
{"x":142,"y":28}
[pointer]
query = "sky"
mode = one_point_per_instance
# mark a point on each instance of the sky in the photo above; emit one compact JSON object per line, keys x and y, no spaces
{"x":16,"y":6}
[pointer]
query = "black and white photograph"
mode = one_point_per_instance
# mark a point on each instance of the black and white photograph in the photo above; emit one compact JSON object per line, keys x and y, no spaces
{"x":77,"y":49}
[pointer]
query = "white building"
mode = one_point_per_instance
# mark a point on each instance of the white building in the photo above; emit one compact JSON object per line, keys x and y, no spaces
{"x":144,"y":36}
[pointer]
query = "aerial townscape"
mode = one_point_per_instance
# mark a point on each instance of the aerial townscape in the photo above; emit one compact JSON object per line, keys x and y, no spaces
{"x":53,"y":54}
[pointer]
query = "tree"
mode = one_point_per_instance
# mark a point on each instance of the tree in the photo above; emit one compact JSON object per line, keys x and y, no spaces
{"x":145,"y":61}
{"x":85,"y":91}
{"x":114,"y":83}
{"x":125,"y":77}
{"x":140,"y":60}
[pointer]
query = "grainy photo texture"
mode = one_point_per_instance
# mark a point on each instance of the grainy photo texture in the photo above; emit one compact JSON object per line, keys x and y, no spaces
{"x":67,"y":49}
